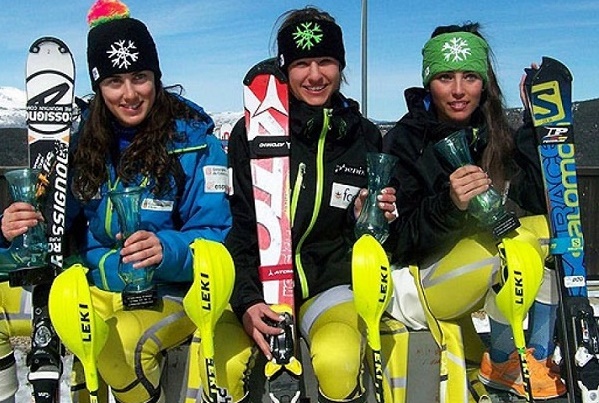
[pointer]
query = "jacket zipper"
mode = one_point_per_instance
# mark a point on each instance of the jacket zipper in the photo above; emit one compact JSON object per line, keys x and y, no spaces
{"x":107,"y":222}
{"x":317,"y":201}
{"x":297,"y":188}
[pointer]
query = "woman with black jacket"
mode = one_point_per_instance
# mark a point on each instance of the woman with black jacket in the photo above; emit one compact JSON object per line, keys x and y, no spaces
{"x":456,"y":257}
{"x":329,"y":141}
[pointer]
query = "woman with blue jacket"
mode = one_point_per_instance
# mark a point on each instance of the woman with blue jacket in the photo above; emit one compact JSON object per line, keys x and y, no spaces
{"x":134,"y":133}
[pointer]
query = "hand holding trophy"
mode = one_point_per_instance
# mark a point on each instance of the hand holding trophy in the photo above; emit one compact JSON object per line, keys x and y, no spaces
{"x":487,"y":207}
{"x":372,"y":219}
{"x":139,"y":291}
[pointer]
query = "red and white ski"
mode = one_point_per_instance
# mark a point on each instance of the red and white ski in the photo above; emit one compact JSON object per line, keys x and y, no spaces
{"x":266,"y":105}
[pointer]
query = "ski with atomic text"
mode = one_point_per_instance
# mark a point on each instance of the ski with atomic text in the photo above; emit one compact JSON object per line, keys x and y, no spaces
{"x":266,"y":104}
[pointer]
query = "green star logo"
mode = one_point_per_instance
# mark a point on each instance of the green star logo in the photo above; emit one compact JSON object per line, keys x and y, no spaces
{"x":307,"y":35}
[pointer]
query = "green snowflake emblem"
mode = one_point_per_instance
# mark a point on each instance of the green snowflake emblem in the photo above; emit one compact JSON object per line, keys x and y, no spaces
{"x":307,"y":35}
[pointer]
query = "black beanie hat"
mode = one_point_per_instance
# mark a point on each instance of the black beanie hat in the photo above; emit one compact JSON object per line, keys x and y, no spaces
{"x":118,"y":44}
{"x":311,"y":38}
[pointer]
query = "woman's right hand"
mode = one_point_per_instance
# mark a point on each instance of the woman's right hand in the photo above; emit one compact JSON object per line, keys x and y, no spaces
{"x":18,"y":218}
{"x":254,"y":323}
{"x":467,"y":182}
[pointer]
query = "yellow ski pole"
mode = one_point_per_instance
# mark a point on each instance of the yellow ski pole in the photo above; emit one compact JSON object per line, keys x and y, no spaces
{"x":207,"y":298}
{"x":76,"y":323}
{"x":371,"y":281}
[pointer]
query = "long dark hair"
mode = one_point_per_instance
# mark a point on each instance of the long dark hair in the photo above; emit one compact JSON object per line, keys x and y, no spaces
{"x":147,"y":153}
{"x":497,"y":157}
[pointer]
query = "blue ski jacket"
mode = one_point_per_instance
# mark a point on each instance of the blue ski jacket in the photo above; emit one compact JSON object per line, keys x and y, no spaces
{"x":199,"y":210}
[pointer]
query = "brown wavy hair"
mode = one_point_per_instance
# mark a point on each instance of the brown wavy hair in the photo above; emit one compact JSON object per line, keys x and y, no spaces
{"x":147,"y":154}
{"x":497,"y":156}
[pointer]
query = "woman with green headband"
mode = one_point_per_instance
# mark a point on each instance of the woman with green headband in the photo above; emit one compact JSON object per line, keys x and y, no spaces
{"x":454,"y":260}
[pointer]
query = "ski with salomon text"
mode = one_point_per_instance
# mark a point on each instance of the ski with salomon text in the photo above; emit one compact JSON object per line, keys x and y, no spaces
{"x":550,"y":96}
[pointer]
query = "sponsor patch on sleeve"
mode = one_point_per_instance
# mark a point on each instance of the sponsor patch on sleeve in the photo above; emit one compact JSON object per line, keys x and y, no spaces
{"x":215,"y":179}
{"x":342,"y":195}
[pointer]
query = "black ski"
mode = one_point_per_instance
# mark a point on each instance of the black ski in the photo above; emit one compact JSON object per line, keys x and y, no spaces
{"x":550,"y":96}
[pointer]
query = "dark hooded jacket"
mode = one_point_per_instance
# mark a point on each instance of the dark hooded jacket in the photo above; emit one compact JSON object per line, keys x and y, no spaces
{"x":327,"y":169}
{"x":429,"y":222}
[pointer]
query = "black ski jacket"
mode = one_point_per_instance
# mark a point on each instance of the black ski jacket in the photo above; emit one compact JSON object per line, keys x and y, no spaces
{"x":429,"y":222}
{"x":327,"y":169}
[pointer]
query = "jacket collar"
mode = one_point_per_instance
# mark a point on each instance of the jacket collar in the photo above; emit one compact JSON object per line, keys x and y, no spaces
{"x":307,"y":121}
{"x":423,"y":117}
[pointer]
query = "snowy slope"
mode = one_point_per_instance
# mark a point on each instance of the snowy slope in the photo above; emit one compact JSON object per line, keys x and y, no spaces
{"x":12,"y":107}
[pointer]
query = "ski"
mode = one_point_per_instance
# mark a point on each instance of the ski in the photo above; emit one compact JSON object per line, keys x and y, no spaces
{"x":50,"y":79}
{"x":266,"y":104}
{"x":550,"y":96}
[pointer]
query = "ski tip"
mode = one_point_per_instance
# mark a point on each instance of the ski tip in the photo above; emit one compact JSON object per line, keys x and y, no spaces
{"x":269,"y":67}
{"x":550,"y":61}
{"x":35,"y":46}
{"x":552,"y":69}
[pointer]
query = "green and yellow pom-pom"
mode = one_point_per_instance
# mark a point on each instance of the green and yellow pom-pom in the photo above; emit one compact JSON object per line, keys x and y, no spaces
{"x":106,"y":10}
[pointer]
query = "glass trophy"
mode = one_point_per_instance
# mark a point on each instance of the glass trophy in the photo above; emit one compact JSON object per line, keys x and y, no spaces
{"x":486,"y":207}
{"x":380,"y":169}
{"x":139,"y":291}
{"x":30,"y":249}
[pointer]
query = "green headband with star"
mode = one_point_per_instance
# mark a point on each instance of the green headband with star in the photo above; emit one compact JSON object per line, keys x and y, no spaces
{"x":454,"y":51}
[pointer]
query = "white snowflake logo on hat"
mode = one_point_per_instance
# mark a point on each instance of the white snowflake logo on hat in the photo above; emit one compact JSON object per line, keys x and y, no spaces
{"x":121,"y":55}
{"x":457,"y":49}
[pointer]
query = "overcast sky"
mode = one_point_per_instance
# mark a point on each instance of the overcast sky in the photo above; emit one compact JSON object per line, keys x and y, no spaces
{"x":207,"y":46}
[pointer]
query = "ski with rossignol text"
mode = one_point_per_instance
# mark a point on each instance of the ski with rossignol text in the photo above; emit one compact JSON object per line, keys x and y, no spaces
{"x":266,"y":104}
{"x":549,"y":91}
{"x":50,"y":80}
